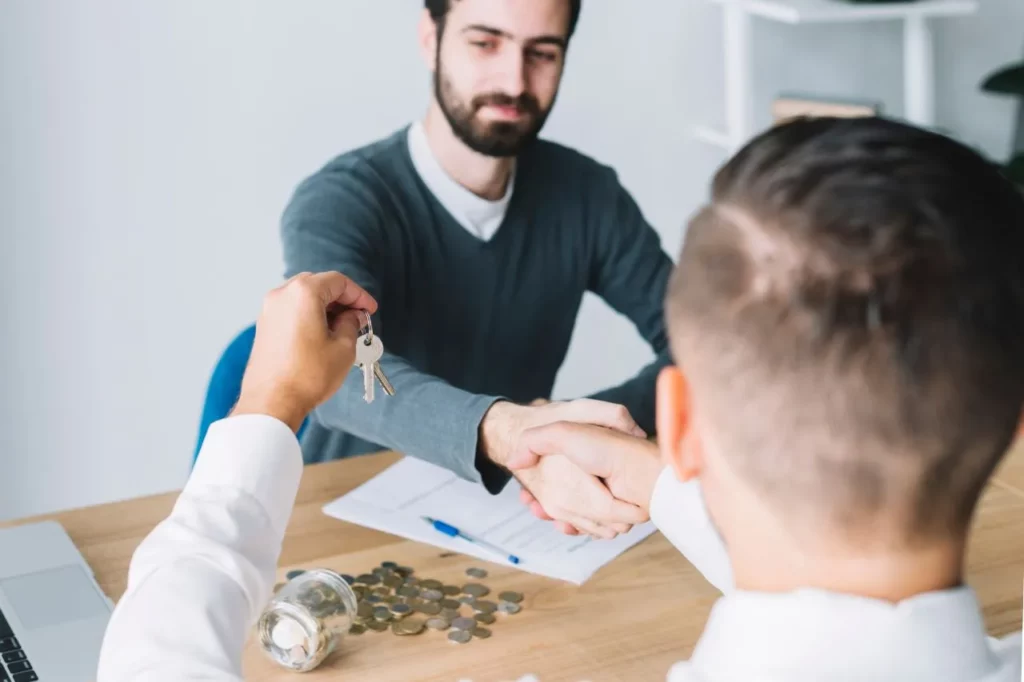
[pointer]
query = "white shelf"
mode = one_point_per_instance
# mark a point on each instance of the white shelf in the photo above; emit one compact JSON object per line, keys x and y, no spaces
{"x":918,"y":52}
{"x":819,"y":11}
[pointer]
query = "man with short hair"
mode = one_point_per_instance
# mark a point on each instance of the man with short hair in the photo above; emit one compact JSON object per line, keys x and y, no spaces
{"x":846,"y":318}
{"x":480,"y":240}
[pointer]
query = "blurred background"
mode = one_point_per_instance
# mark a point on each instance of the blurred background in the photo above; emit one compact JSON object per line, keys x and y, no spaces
{"x":147,"y":150}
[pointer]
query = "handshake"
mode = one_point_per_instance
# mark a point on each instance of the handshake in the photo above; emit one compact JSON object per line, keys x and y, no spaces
{"x":584,"y":464}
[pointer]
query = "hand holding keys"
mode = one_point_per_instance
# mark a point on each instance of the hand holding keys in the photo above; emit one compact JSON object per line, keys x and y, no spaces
{"x":369,"y":350}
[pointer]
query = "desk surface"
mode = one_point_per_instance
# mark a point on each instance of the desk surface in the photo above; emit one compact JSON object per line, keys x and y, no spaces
{"x":630,"y":622}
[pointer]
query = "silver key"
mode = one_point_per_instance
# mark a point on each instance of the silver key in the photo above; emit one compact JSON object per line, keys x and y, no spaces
{"x":369,"y":349}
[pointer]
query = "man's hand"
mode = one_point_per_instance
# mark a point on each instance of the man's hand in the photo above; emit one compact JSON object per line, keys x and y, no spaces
{"x":577,"y":501}
{"x":627,"y":464}
{"x":304,"y":347}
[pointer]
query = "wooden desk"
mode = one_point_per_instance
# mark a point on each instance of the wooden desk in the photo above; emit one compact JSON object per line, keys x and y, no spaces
{"x":630,"y":622}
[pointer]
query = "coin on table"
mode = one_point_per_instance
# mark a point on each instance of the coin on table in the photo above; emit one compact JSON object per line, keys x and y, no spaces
{"x":409,"y":591}
{"x":389,"y":565}
{"x":393,"y":580}
{"x":380,"y":571}
{"x":294,"y":574}
{"x":477,"y":573}
{"x":460,"y":636}
{"x":430,"y":608}
{"x":514,"y":597}
{"x":408,"y":626}
{"x":377,"y":625}
{"x":438,"y":623}
{"x":431,"y":584}
{"x":463,"y":623}
{"x":485,"y":618}
{"x":451,"y":590}
{"x":404,"y":571}
{"x":450,"y":614}
{"x":364,"y":611}
{"x":360,"y":590}
{"x":373,"y":599}
{"x":467,"y":599}
{"x":400,"y":610}
{"x":481,"y":633}
{"x":432,"y":594}
{"x":368,"y":579}
{"x":450,"y":604}
{"x":382,"y":613}
{"x":476,"y":590}
{"x":484,"y":606}
{"x":509,"y":608}
{"x":357,"y":629}
{"x":381,"y":590}
{"x":347,"y":578}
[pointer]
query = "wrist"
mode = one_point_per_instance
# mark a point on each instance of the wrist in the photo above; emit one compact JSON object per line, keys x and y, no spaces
{"x":498,"y":430}
{"x":277,"y":404}
{"x":645,"y":469}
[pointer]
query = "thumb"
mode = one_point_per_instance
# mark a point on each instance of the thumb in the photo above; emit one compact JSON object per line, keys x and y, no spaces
{"x":580,"y":443}
{"x":346,"y":325}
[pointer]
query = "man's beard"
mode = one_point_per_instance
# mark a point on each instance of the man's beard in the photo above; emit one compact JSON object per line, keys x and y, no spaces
{"x":496,"y":138}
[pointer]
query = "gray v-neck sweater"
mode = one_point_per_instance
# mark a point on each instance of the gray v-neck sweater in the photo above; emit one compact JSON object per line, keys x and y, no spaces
{"x":467,"y":322}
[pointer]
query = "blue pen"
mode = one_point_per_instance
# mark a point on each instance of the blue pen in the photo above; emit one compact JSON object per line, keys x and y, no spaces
{"x":454,"y":532}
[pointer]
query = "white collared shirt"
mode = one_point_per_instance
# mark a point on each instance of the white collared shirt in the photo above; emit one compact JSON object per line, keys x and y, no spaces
{"x":197,"y":584}
{"x":479,"y":216}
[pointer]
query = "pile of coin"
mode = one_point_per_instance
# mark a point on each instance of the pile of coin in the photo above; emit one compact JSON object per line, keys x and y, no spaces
{"x":391,"y":598}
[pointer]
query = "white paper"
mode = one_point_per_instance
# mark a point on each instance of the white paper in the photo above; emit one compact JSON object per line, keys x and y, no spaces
{"x":395,"y":501}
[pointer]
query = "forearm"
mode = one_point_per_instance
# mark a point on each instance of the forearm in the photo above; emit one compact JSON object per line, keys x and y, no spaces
{"x":427,"y":418}
{"x":638,"y":394}
{"x":678,"y":510}
{"x":198,"y":582}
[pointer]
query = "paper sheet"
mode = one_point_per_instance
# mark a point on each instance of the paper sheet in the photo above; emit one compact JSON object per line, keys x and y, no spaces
{"x":395,"y":500}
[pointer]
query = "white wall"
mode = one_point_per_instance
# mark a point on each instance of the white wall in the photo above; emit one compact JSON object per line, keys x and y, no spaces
{"x":147,"y":150}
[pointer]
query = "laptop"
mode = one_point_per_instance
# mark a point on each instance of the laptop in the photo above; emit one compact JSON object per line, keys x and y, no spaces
{"x":52,"y":613}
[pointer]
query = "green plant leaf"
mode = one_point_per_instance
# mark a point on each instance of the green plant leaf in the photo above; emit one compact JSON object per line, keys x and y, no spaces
{"x":1006,"y":81}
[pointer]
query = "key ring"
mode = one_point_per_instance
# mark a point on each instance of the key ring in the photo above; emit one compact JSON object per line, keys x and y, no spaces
{"x":368,"y":326}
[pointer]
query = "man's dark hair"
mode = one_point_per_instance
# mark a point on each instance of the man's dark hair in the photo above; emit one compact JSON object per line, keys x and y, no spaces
{"x":439,"y":11}
{"x":850,"y":312}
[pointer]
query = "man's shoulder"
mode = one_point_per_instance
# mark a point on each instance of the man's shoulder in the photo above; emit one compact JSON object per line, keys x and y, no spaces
{"x":550,"y":153}
{"x":374,"y":162}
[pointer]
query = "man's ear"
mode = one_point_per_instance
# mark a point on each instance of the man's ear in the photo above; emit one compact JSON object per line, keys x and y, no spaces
{"x":680,"y":448}
{"x":427,"y":34}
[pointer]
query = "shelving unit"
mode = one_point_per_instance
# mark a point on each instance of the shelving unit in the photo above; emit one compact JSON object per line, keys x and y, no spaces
{"x":918,"y":51}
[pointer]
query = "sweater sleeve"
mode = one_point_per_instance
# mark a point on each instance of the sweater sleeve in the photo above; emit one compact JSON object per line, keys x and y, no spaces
{"x":631,"y":273}
{"x":335,"y":222}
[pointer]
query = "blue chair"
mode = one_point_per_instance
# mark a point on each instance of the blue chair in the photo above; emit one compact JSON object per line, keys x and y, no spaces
{"x":226,"y":383}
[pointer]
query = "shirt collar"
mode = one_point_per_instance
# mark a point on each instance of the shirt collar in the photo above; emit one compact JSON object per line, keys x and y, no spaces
{"x":478,"y":215}
{"x":813,"y":634}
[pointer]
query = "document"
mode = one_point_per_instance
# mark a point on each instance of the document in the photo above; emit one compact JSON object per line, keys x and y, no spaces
{"x":396,"y":500}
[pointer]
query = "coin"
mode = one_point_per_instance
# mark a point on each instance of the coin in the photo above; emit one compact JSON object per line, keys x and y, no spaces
{"x":450,"y":614}
{"x":460,"y":636}
{"x":432,"y":594}
{"x":450,"y":604}
{"x":481,"y":633}
{"x":380,"y":571}
{"x":377,"y":625}
{"x":476,"y":590}
{"x":409,"y":626}
{"x":484,"y":606}
{"x":364,"y":611}
{"x":514,"y":597}
{"x":477,"y":573}
{"x":389,"y":564}
{"x":432,"y":584}
{"x":357,"y":629}
{"x":360,"y":591}
{"x":392,"y":580}
{"x":466,"y":600}
{"x":509,"y":608}
{"x":408,"y":591}
{"x":347,"y":578}
{"x":382,"y":613}
{"x":401,"y":610}
{"x":430,"y":608}
{"x":464,"y":623}
{"x":451,"y":590}
{"x":294,"y":574}
{"x":373,"y":599}
{"x":437,"y":623}
{"x":368,"y":579}
{"x":485,"y":618}
{"x":381,"y":591}
{"x":404,"y":571}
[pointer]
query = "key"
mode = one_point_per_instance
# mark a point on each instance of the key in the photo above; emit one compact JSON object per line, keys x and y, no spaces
{"x":368,"y":351}
{"x":384,"y":383}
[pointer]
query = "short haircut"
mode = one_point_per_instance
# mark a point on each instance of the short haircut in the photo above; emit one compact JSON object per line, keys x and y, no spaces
{"x":439,"y":11}
{"x":849,"y":310}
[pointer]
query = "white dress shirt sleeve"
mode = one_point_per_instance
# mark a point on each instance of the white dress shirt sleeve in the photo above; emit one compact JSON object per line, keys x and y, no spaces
{"x":198,"y":582}
{"x":678,"y":510}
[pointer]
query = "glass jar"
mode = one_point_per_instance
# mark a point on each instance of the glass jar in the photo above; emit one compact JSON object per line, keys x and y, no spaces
{"x":306,"y":621}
